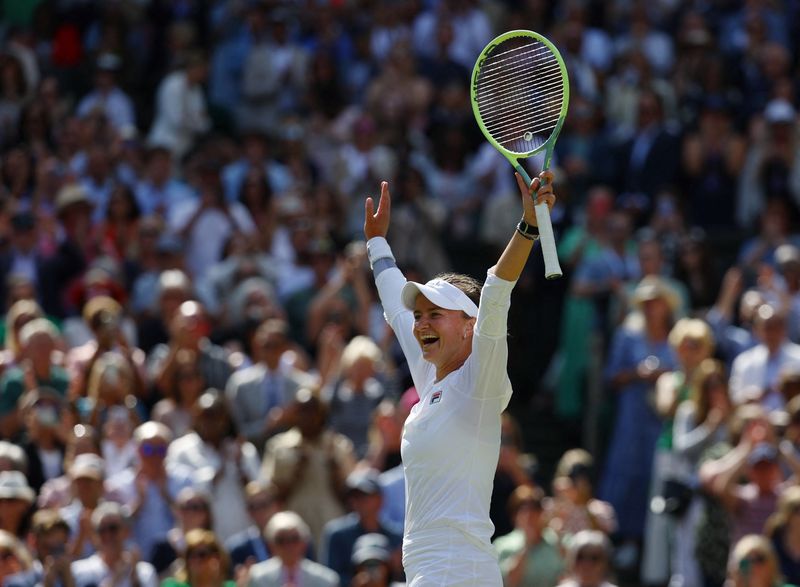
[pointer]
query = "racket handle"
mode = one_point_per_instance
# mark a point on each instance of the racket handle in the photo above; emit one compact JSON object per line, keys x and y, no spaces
{"x":552,"y":269}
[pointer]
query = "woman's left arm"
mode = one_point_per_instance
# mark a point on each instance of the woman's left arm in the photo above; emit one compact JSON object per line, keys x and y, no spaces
{"x":512,"y":261}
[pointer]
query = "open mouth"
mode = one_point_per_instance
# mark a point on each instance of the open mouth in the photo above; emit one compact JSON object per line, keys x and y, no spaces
{"x":428,"y":340}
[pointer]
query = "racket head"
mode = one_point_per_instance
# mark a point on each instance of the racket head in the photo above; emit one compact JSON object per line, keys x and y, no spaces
{"x":520,"y":93}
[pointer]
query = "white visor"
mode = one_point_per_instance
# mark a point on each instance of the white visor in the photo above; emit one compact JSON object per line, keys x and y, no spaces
{"x":440,"y":292}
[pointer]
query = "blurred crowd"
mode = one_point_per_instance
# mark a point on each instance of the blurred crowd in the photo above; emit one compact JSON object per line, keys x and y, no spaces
{"x":197,"y":384}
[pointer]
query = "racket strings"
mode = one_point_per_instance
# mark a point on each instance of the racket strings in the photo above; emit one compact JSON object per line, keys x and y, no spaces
{"x":519,"y":94}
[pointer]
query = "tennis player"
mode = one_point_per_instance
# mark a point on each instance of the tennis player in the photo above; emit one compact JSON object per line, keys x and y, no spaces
{"x":453,"y":334}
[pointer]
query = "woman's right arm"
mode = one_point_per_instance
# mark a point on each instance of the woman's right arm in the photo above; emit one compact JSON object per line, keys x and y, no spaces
{"x":390,"y":280}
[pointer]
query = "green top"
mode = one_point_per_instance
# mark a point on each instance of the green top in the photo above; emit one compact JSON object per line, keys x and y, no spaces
{"x":12,"y":386}
{"x":544,"y":565}
{"x":683,"y":392}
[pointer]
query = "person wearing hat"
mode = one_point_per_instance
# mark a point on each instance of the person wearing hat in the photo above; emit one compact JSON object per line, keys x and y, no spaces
{"x":107,"y":98}
{"x":16,"y":498}
{"x":372,"y":562}
{"x":87,"y":477}
{"x":340,"y":535}
{"x":70,"y":260}
{"x":588,"y":560}
{"x":453,"y":332}
{"x":639,"y":354}
{"x":761,"y":459}
{"x":756,"y":373}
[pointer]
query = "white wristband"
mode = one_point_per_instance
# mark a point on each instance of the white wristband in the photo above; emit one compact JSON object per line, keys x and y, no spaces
{"x":378,"y":248}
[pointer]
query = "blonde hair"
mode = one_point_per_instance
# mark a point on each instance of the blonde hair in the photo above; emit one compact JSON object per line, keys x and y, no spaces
{"x":692,"y":329}
{"x":708,"y":372}
{"x":788,"y":503}
{"x":20,"y":308}
{"x":747,"y":545}
{"x":359,"y":348}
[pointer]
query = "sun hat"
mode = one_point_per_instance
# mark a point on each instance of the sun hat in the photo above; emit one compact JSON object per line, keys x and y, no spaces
{"x":440,"y":292}
{"x":14,"y":485}
{"x":652,"y":287}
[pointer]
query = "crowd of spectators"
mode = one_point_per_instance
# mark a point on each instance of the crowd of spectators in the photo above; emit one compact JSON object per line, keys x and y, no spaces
{"x":197,"y":386}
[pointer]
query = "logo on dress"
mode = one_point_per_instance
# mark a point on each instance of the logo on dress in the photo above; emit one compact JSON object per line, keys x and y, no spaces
{"x":436,"y":397}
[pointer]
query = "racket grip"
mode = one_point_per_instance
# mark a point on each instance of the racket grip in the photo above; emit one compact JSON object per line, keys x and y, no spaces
{"x":552,"y":269}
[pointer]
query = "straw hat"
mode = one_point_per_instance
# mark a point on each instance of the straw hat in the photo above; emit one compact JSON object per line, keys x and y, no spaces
{"x":652,"y":287}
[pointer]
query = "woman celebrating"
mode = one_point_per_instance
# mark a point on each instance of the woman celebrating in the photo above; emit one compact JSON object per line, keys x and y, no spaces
{"x":457,"y":352}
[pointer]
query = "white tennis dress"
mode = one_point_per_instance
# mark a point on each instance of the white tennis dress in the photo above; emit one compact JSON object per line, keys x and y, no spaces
{"x":451,"y":442}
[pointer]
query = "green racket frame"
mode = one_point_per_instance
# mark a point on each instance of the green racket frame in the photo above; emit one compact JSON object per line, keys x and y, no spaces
{"x":549,"y":252}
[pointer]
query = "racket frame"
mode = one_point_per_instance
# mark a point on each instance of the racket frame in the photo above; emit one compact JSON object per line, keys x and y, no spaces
{"x":546,"y":237}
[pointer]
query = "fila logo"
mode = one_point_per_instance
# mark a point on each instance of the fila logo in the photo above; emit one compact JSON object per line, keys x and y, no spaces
{"x":436,"y":397}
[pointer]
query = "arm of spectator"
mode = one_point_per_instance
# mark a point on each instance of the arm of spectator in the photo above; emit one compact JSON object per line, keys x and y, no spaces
{"x":666,"y":395}
{"x":318,"y":308}
{"x":719,"y":476}
{"x":690,"y":438}
{"x":789,"y":456}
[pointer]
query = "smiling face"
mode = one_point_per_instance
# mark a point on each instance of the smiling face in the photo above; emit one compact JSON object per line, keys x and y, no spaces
{"x":445,"y":336}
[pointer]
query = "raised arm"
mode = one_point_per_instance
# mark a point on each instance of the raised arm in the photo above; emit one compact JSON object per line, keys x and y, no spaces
{"x":512,"y":261}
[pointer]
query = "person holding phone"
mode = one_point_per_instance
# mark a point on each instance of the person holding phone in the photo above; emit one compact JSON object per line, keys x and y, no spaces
{"x":452,"y":331}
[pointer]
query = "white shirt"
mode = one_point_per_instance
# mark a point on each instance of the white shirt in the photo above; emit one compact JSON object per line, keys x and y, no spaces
{"x":754,"y":372}
{"x":451,"y":439}
{"x":116,"y":106}
{"x":92,"y":571}
{"x":181,"y":114}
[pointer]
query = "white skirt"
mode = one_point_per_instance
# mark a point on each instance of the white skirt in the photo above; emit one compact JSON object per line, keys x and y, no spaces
{"x":446,"y":557}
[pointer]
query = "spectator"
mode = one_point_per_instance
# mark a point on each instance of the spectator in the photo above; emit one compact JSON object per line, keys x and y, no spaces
{"x":107,"y":97}
{"x":588,"y":560}
{"x":50,"y":533}
{"x":38,"y":341}
{"x":574,"y":507}
{"x":355,"y":393}
{"x":783,"y":529}
{"x":288,"y":537}
{"x":15,"y":569}
{"x":23,"y":257}
{"x":219,"y":461}
{"x":191,"y":511}
{"x":529,"y":555}
{"x":204,"y":562}
{"x":148,"y":487}
{"x":16,"y":498}
{"x":340,"y":534}
{"x":371,"y":562}
{"x":181,"y":113}
{"x":175,"y":410}
{"x":753,"y":562}
{"x":87,"y":475}
{"x":755,"y":374}
{"x":57,"y":492}
{"x":259,"y":394}
{"x":114,"y":563}
{"x":250,"y":545}
{"x":42,"y":411}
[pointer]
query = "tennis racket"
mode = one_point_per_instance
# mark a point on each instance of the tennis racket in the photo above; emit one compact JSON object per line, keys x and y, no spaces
{"x":520,"y":93}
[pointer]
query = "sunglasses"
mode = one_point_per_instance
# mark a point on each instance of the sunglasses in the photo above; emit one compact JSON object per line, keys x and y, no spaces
{"x":109,"y":529}
{"x":153,"y":450}
{"x":756,"y":558}
{"x":590,"y":557}
{"x":287,"y":538}
{"x":194,"y":506}
{"x":201,"y":554}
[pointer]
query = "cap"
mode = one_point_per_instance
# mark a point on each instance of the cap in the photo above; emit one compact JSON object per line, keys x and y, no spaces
{"x":787,"y":254}
{"x":88,"y":465}
{"x":440,"y":292}
{"x":14,"y":485}
{"x":364,"y":481}
{"x":71,"y":195}
{"x":370,"y":547}
{"x":779,"y":111}
{"x":652,"y":287}
{"x":761,"y":452}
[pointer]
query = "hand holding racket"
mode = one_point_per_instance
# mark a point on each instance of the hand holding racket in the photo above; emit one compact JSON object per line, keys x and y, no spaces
{"x":520,"y":93}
